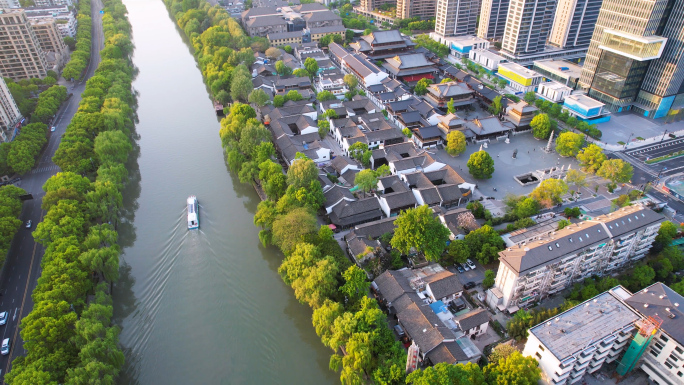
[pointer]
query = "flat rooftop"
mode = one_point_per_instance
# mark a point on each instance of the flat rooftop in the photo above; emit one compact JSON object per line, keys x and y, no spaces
{"x":464,"y":40}
{"x":584,"y":100}
{"x":519,"y":70}
{"x":677,"y":185}
{"x":555,"y":86}
{"x":576,"y":329}
{"x":561,"y":68}
{"x":488,"y":54}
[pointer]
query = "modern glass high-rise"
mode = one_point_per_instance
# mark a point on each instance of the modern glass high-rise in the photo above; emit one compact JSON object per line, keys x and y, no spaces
{"x":527,"y":26}
{"x":574,"y":23}
{"x":492,"y":19}
{"x":456,"y":17}
{"x":636,"y":57}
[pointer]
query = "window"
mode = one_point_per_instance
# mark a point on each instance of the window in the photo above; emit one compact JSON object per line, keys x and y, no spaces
{"x":654,"y":354}
{"x":668,"y":365}
{"x":673,"y":358}
{"x":680,"y":374}
{"x":679,"y":350}
{"x":664,"y":338}
{"x":539,"y":356}
{"x":542,"y":348}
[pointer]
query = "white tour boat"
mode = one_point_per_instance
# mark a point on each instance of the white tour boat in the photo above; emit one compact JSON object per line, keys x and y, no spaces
{"x":193,"y":213}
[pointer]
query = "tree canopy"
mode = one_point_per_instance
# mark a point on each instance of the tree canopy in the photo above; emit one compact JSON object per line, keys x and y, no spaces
{"x":418,"y":228}
{"x":549,"y":192}
{"x":591,"y":158}
{"x":541,"y":126}
{"x":456,"y":143}
{"x":481,"y":165}
{"x":569,"y":143}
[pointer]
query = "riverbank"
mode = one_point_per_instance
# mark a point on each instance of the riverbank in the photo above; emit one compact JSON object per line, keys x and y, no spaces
{"x":68,"y":336}
{"x":314,"y":265}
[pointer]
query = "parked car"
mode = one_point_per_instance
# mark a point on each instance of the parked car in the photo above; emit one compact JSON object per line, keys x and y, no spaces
{"x":459,"y":268}
{"x":457,"y":305}
{"x":28,"y":224}
{"x":53,"y":128}
{"x":4,"y":350}
{"x":469,"y":285}
{"x":3,"y":318}
{"x":470,"y":263}
{"x":399,"y":330}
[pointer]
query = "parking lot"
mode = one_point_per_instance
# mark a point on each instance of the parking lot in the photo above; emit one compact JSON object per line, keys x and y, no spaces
{"x":476,"y":276}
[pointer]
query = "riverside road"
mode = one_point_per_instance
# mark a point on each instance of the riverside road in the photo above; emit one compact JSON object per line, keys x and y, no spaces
{"x":22,"y":267}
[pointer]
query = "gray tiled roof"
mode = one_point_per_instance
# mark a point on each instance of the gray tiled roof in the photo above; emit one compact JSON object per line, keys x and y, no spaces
{"x":383,"y":37}
{"x":366,"y":206}
{"x":336,"y":193}
{"x":660,"y":298}
{"x":321,"y":16}
{"x":409,"y":61}
{"x":447,"y":352}
{"x":392,"y":284}
{"x":399,"y":199}
{"x":376,"y":228}
{"x":473,"y":319}
{"x":350,"y":175}
{"x":265,"y":21}
{"x":340,"y":162}
{"x":444,"y":284}
{"x":429,"y":132}
{"x":619,"y":223}
{"x":419,"y":322}
{"x":329,"y":29}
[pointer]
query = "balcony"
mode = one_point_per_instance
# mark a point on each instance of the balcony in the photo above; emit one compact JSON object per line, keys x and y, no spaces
{"x":557,"y":378}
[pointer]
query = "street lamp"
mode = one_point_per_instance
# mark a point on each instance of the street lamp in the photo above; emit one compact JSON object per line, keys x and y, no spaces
{"x":630,"y":137}
{"x":661,"y":139}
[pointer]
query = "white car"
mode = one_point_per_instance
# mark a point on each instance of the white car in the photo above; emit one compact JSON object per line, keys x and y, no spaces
{"x":470,"y":264}
{"x":4,"y":350}
{"x":53,"y":129}
{"x":3,"y":318}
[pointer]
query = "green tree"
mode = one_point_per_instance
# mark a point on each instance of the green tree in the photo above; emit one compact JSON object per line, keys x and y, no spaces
{"x":526,"y":208}
{"x":641,"y":277}
{"x":289,"y":229}
{"x":422,"y":86}
{"x":458,"y":251}
{"x":666,"y":233}
{"x":279,"y":100}
{"x":258,"y":96}
{"x":576,"y":178}
{"x":447,"y":374}
{"x":456,"y":143}
{"x":616,"y":170}
{"x":549,"y":192}
{"x":325,"y":96}
{"x":496,"y":108}
{"x":351,"y":81}
{"x":481,"y":165}
{"x":418,"y":228}
{"x":488,"y":279}
{"x":541,"y":126}
{"x":355,"y":284}
{"x":450,"y":106}
{"x":501,"y":352}
{"x":367,"y":180}
{"x":301,"y":73}
{"x":282,"y":69}
{"x":514,"y":369}
{"x":484,"y":243}
{"x":530,"y":97}
{"x":502,"y":83}
{"x":591,"y":158}
{"x":311,"y":66}
{"x":568,"y":143}
{"x":293,"y":95}
{"x":241,"y":87}
{"x":301,"y":173}
{"x":273,"y":53}
{"x":112,"y":147}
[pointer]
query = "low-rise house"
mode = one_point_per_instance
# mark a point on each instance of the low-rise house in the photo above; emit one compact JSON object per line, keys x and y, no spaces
{"x":439,"y":95}
{"x":317,"y":33}
{"x":331,"y":81}
{"x":362,"y":249}
{"x":411,"y":113}
{"x":487,"y":59}
{"x":351,"y":213}
{"x":335,"y":195}
{"x":342,"y":164}
{"x":392,"y":204}
{"x":322,"y":18}
{"x":382,"y":44}
{"x":389,"y":90}
{"x":474,"y":323}
{"x":442,"y":187}
{"x":367,"y":73}
{"x":521,"y":114}
{"x":488,"y":128}
{"x":428,"y":137}
{"x":553,"y":91}
{"x":459,"y":221}
{"x":410,"y":67}
{"x":404,"y":158}
{"x":583,"y":107}
{"x":519,"y":78}
{"x":426,"y":322}
{"x":443,"y":286}
{"x":292,"y":83}
{"x":371,"y":129}
{"x":279,"y":39}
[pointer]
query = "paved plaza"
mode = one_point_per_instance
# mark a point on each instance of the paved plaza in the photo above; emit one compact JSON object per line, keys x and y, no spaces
{"x":623,"y":125}
{"x":530,"y":157}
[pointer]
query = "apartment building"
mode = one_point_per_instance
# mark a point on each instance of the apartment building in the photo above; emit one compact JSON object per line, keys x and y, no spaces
{"x":527,"y":26}
{"x":372,"y":5}
{"x":425,"y":9}
{"x":643,"y":330}
{"x":581,"y":340}
{"x":9,"y":113}
{"x":492,"y":19}
{"x":547,"y":263}
{"x":51,"y":41}
{"x":574,"y":23}
{"x":11,"y":4}
{"x":663,"y":360}
{"x":21,"y":56}
{"x":636,"y":57}
{"x":66,"y":21}
{"x":53,"y":3}
{"x":456,"y":17}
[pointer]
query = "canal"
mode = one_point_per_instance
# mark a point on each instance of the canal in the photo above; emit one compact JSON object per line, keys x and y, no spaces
{"x":207,"y":306}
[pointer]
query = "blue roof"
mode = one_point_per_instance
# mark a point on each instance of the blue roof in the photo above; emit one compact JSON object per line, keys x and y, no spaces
{"x":438,"y":307}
